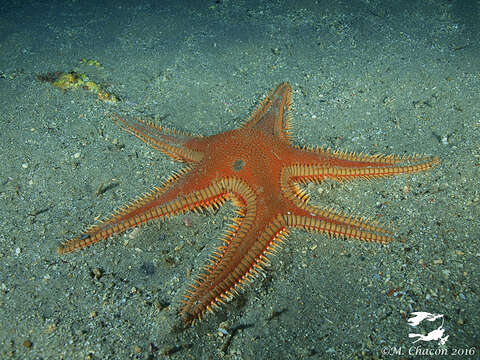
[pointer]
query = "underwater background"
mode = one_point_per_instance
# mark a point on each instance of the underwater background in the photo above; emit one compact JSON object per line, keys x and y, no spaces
{"x":368,"y":76}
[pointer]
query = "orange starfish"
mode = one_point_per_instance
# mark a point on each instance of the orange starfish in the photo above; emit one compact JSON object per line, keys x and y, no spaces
{"x":260,"y":171}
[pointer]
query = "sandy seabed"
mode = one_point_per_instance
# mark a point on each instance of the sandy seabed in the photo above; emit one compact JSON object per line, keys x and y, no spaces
{"x":368,"y":76}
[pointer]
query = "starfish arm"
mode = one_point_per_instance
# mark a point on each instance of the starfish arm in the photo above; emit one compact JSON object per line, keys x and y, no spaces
{"x":344,"y":166}
{"x":328,"y":221}
{"x":165,"y":201}
{"x":169,"y":141}
{"x":272,"y":116}
{"x":244,"y":252}
{"x":335,"y":224}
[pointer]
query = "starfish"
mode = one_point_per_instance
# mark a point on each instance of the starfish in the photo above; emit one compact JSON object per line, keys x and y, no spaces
{"x":261,"y":172}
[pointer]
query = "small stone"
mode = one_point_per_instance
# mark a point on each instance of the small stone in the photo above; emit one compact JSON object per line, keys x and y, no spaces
{"x":76,"y":155}
{"x":25,"y":165}
{"x":222,"y":329}
{"x":178,"y":247}
{"x":51,"y":328}
{"x":158,"y":305}
{"x":97,"y":272}
{"x":135,"y":232}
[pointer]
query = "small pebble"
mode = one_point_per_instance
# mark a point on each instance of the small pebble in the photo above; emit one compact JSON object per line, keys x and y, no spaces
{"x":222,"y":329}
{"x":135,"y":232}
{"x":158,"y":305}
{"x":97,"y":272}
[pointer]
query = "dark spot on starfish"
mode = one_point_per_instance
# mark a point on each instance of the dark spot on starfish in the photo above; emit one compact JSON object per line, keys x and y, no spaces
{"x":238,"y":165}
